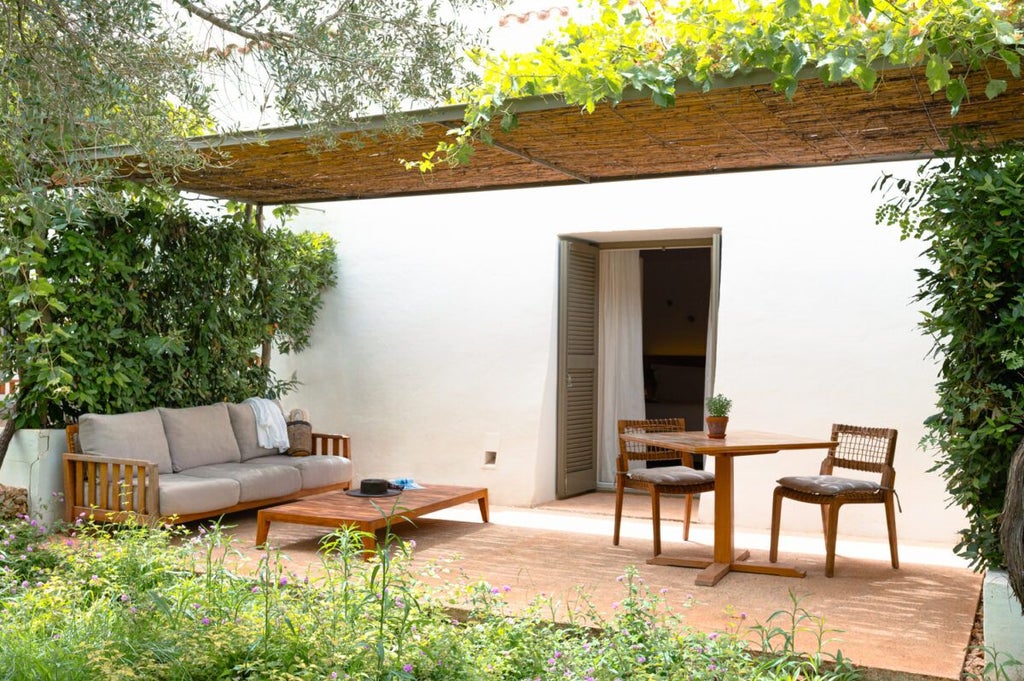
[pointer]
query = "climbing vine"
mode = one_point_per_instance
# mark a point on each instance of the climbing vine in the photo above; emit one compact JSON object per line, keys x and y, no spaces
{"x":655,"y":46}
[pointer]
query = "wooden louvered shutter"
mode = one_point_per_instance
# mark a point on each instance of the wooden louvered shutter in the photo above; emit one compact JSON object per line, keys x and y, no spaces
{"x":577,"y":363}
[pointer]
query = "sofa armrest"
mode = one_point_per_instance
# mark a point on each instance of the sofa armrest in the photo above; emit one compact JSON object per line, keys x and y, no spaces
{"x":109,"y":488}
{"x":326,"y":444}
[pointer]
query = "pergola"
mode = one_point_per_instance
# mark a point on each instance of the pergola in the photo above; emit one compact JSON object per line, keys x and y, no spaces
{"x":743,"y":124}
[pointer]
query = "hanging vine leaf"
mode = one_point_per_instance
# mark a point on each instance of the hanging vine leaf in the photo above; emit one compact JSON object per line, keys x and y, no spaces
{"x":653,"y":45}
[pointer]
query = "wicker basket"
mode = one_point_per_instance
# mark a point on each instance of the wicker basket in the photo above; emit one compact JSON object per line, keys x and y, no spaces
{"x":300,"y":433}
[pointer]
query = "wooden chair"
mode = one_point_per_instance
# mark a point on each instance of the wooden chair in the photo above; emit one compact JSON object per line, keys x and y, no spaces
{"x":683,"y":479}
{"x":857,"y":448}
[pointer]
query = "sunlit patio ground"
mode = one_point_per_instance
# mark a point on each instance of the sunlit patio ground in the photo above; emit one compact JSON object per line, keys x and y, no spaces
{"x":913,"y":623}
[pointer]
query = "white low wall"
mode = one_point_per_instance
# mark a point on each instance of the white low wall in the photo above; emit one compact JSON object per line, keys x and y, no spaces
{"x":1003,"y":627}
{"x":34,"y":462}
{"x":439,"y":342}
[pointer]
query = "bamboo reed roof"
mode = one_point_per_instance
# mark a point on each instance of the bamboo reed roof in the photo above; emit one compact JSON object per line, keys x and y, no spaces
{"x":738,"y":126}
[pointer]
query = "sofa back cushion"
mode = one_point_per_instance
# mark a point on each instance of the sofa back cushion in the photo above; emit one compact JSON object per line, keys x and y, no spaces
{"x":243,"y":421}
{"x":199,"y":436}
{"x":136,"y":435}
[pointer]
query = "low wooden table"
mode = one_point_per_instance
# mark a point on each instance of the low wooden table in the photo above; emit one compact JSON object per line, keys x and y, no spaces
{"x":368,"y":514}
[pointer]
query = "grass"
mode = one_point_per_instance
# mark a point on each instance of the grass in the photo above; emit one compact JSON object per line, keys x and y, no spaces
{"x":133,"y":602}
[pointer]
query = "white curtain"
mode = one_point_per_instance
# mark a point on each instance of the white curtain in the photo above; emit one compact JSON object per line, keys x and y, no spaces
{"x":620,"y":393}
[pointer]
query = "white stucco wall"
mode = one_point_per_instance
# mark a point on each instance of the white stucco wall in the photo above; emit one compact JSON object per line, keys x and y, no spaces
{"x":439,"y":341}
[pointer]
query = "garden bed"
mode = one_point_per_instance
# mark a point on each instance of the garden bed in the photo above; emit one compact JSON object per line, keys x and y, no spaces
{"x":134,"y":602}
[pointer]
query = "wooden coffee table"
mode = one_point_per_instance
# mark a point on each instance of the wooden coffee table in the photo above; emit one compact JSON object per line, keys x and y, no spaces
{"x":368,"y":514}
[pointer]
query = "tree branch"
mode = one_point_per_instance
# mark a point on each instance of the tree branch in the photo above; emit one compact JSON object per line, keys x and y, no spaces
{"x":215,"y":20}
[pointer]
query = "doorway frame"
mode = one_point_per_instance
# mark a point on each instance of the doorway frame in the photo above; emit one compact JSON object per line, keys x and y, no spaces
{"x":692,"y":237}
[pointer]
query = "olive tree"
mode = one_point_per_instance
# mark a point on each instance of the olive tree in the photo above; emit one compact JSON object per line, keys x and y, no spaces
{"x":94,"y":90}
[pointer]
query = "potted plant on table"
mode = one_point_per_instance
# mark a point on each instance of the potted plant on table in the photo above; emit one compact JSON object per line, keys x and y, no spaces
{"x":718,"y":407}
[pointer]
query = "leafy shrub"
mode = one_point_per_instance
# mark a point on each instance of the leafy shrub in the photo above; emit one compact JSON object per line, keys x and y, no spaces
{"x":967,"y":208}
{"x":148,"y":302}
{"x":135,"y":603}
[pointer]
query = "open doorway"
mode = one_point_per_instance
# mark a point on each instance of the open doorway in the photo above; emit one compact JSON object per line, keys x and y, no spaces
{"x":647,"y":311}
{"x":676,"y":301}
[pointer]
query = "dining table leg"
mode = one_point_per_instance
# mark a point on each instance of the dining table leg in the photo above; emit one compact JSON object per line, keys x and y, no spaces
{"x":724,"y":550}
{"x":723,"y":555}
{"x":726,"y":559}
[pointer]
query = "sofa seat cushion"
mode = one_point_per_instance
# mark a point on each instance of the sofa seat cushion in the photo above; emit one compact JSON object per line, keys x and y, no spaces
{"x":182,"y":494}
{"x":199,"y":436}
{"x":256,"y":482}
{"x":243,"y":422}
{"x":135,"y":435}
{"x":316,"y":471}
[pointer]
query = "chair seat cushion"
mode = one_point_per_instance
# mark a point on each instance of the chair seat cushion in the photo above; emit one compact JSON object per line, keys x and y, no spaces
{"x":828,"y":485}
{"x":671,"y":475}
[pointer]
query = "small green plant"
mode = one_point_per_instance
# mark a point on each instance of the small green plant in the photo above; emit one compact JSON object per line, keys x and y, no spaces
{"x":26,"y":554}
{"x":778,"y":641}
{"x":998,"y":666}
{"x":139,"y":602}
{"x":718,"y":405}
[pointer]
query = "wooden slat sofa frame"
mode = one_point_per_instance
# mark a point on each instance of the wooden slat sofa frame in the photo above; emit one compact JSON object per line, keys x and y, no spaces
{"x":113,"y":489}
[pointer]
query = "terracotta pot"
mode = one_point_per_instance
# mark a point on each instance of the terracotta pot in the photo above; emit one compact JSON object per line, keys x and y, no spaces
{"x":716,"y":426}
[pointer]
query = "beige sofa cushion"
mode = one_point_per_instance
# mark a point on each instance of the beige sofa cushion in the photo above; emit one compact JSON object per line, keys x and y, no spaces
{"x":256,"y":482}
{"x":135,"y":435}
{"x":316,"y":471}
{"x":243,"y":422}
{"x":199,"y":436}
{"x":182,"y":494}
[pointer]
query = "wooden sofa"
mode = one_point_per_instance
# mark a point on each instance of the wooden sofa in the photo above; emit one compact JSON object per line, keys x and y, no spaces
{"x":177,"y":465}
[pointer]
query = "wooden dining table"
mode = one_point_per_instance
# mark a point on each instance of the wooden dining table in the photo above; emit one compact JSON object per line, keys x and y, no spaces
{"x":737,"y":443}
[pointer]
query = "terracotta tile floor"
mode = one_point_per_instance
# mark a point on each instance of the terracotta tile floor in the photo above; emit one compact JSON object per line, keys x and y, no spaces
{"x":911,"y":624}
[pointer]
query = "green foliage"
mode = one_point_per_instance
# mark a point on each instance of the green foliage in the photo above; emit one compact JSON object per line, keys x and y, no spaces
{"x":83,"y":76}
{"x":778,"y":641}
{"x":25,"y":557}
{"x":131,"y":602}
{"x":657,"y":46}
{"x":147,"y":304}
{"x":718,"y":405}
{"x":999,"y":666}
{"x":967,"y":209}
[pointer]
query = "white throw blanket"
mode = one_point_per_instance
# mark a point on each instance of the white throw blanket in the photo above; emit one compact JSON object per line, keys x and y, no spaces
{"x":271,"y":430}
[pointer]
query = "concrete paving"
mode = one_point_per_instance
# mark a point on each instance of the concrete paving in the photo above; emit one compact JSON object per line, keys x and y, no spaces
{"x":910,"y":624}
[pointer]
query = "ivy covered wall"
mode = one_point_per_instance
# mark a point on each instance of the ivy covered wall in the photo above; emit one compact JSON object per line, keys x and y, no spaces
{"x":142,"y":301}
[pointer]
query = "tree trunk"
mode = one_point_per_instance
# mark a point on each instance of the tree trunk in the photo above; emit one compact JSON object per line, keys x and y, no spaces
{"x":1011,"y":531}
{"x":5,"y":438}
{"x":267,"y":342}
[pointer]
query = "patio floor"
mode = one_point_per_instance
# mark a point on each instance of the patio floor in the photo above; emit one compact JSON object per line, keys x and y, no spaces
{"x":909,"y":624}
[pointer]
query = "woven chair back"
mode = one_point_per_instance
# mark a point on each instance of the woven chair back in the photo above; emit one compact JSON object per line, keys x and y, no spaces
{"x":863,"y":449}
{"x":634,"y":451}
